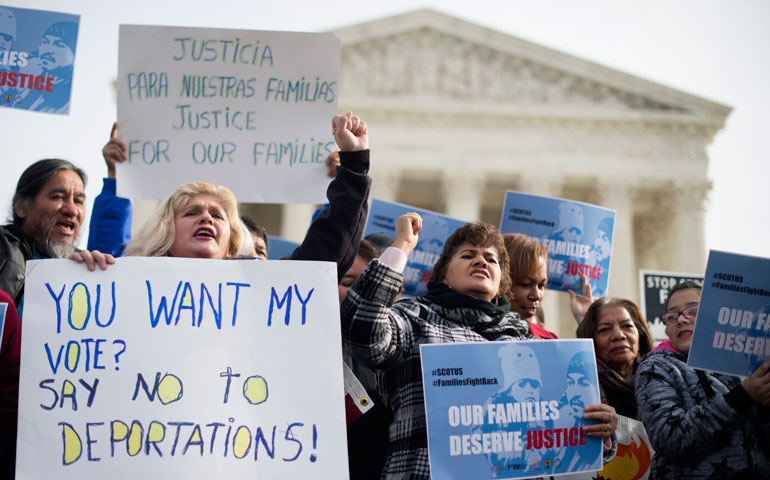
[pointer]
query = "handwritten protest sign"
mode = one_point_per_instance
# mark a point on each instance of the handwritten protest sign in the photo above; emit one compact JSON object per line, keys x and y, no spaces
{"x":732,"y":330}
{"x":654,"y":288}
{"x":509,"y":409}
{"x":37,"y":57}
{"x":181,"y":368}
{"x":435,"y":230}
{"x":578,"y":237}
{"x":247,"y":109}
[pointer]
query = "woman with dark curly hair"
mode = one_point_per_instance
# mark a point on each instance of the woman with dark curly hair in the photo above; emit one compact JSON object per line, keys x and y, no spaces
{"x":466,"y":302}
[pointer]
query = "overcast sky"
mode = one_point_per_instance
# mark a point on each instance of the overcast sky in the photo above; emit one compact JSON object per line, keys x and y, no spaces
{"x":715,"y":49}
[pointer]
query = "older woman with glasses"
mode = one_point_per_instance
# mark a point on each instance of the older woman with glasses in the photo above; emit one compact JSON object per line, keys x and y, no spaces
{"x":702,"y":425}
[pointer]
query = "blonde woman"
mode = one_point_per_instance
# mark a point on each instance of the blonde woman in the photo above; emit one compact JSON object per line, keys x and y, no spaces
{"x":199,"y":220}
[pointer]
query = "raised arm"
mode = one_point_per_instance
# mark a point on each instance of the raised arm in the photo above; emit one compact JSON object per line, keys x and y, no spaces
{"x":110,"y":228}
{"x":335,"y":235}
{"x":376,"y":331}
{"x":578,"y":304}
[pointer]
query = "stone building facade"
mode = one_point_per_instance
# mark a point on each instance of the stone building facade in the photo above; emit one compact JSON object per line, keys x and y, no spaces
{"x":459,"y":113}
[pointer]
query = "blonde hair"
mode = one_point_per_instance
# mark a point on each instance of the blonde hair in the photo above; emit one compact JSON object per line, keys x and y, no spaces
{"x":156,"y":236}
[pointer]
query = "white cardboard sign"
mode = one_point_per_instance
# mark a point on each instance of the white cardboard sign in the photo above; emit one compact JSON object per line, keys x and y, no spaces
{"x":181,"y":368}
{"x":250,"y":110}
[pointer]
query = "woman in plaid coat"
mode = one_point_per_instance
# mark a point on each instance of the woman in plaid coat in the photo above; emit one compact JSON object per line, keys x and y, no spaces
{"x":466,"y":302}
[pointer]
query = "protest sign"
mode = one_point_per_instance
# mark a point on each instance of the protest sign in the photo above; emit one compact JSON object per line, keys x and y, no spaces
{"x":509,"y":409}
{"x":435,"y":230}
{"x":279,"y":248}
{"x":654,"y":287}
{"x":250,"y":110}
{"x":578,"y":237}
{"x":181,"y":368}
{"x":37,"y":56}
{"x":732,"y":330}
{"x":633,"y":458}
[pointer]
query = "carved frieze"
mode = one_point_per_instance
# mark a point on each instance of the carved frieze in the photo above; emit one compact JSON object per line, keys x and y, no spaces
{"x":430,"y":64}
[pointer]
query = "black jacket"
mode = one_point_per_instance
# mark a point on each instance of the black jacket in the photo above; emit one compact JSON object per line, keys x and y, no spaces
{"x":15,"y":249}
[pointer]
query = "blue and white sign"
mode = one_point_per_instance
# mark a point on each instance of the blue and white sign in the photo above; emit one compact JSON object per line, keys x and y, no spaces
{"x":37,"y":56}
{"x":732,"y":330}
{"x":279,"y":248}
{"x":578,"y":237}
{"x":435,"y":230}
{"x":510,"y":409}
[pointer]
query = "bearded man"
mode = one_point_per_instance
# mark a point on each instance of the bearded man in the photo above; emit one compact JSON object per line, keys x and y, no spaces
{"x":48,"y":210}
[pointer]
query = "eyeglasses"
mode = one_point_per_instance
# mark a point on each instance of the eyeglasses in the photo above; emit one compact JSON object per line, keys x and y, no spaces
{"x":670,"y":318}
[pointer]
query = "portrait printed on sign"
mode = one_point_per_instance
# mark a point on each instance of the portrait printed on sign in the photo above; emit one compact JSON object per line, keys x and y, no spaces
{"x":509,"y":409}
{"x":436,"y":228}
{"x":37,"y":57}
{"x":577,"y":236}
{"x":732,"y":329}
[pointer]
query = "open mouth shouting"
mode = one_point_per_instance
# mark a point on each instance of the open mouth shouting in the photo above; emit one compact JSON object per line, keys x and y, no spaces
{"x":480,"y":273}
{"x":205,"y":232}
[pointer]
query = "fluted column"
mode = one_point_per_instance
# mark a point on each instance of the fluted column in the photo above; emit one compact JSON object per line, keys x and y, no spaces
{"x":462,"y":194}
{"x":295,"y":220}
{"x":385,"y":184}
{"x":688,"y":243}
{"x":617,"y":195}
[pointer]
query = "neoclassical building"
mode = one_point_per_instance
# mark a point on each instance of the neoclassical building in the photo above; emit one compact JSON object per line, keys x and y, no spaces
{"x":459,"y":113}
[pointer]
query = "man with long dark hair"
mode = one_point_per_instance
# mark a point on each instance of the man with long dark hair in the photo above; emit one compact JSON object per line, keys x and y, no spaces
{"x":48,"y":210}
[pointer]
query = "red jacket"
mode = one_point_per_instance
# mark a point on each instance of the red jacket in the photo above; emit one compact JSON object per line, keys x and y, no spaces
{"x":10,"y":354}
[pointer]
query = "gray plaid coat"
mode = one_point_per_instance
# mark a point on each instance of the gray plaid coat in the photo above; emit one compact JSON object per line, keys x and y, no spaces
{"x":387,"y":336}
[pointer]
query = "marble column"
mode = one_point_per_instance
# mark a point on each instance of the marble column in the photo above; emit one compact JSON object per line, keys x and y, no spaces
{"x":688,"y":245}
{"x":462,"y":194}
{"x":617,"y":195}
{"x":295,"y":220}
{"x":385,"y":184}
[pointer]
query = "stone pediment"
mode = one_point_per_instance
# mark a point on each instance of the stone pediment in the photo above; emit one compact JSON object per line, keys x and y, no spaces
{"x":429,"y":58}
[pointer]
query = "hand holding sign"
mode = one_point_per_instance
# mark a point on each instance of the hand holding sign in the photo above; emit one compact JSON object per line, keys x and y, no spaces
{"x":607,"y":418}
{"x":758,"y":385}
{"x":93,"y":258}
{"x":350,"y":132}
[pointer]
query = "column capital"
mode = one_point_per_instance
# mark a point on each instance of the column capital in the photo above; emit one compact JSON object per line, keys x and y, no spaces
{"x":690,"y":195}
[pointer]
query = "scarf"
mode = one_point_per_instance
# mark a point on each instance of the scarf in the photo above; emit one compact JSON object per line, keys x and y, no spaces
{"x":619,"y":391}
{"x":486,"y":318}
